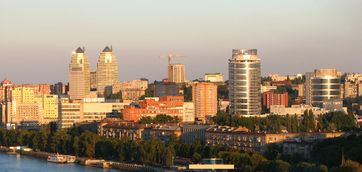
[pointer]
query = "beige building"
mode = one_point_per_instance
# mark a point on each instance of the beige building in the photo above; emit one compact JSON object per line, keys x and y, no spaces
{"x":214,"y":77}
{"x":352,"y":85}
{"x":301,"y":90}
{"x":204,"y":96}
{"x":25,"y":112}
{"x":49,"y":105}
{"x":86,"y":110}
{"x":79,"y":75}
{"x":266,"y":88}
{"x":188,"y":112}
{"x":28,"y":104}
{"x":70,"y":112}
{"x":23,"y":95}
{"x":131,"y":90}
{"x":107,"y":71}
{"x":176,"y":73}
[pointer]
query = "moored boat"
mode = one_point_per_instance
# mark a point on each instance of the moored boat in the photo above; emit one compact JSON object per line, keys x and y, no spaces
{"x":70,"y":159}
{"x":57,"y":158}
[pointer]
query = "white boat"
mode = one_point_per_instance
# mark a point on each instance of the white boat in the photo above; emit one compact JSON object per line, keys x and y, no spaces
{"x":70,"y":159}
{"x":57,"y":158}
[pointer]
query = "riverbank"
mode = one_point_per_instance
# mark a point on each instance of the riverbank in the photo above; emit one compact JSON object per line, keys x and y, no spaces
{"x":82,"y":161}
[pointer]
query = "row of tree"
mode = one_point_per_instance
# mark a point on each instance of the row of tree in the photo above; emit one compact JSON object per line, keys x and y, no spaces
{"x":152,"y":152}
{"x":159,"y":119}
{"x":292,"y":123}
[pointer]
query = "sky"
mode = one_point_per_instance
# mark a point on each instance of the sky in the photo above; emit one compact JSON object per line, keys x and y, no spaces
{"x":292,"y":36}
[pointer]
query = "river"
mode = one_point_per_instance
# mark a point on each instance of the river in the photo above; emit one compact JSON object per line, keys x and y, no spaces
{"x":22,"y":163}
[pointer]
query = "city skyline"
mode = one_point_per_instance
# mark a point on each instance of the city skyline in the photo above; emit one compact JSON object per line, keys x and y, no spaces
{"x":314,"y":34}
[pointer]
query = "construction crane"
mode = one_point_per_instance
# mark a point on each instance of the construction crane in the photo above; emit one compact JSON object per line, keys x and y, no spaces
{"x":171,"y":56}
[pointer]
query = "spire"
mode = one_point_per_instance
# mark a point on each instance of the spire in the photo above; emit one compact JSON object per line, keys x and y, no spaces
{"x":79,"y":50}
{"x":107,"y":49}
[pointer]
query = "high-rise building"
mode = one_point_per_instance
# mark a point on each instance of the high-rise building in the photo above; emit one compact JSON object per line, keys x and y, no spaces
{"x":322,"y":85}
{"x":107,"y":71}
{"x":176,"y":73}
{"x":79,"y":75}
{"x":204,"y":96}
{"x":244,"y":82}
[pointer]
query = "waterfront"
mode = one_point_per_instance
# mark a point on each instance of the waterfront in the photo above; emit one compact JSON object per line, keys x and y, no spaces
{"x":20,"y":163}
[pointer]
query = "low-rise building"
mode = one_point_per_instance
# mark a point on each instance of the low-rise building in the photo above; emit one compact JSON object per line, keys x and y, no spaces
{"x":239,"y":137}
{"x":214,"y":77}
{"x":122,"y":130}
{"x":152,"y":106}
{"x":131,"y":90}
{"x":266,"y":88}
{"x":295,"y":110}
{"x":299,"y":109}
{"x":271,"y":98}
{"x":162,"y":132}
{"x":87,"y":110}
{"x":193,"y":132}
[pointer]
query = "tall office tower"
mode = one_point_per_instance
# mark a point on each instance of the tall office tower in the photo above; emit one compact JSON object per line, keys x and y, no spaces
{"x":244,"y":82}
{"x":107,"y":71}
{"x":322,"y":85}
{"x":176,"y":73}
{"x":204,"y":96}
{"x":79,"y":75}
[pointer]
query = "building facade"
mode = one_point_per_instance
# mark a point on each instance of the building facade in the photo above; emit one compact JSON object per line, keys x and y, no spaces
{"x":214,"y":77}
{"x":272,"y":98}
{"x":166,"y":88}
{"x":204,"y":96}
{"x":176,"y":73}
{"x":152,"y":106}
{"x":131,"y":90}
{"x":79,"y":75}
{"x":244,"y":82}
{"x":107,"y":71}
{"x":322,"y":85}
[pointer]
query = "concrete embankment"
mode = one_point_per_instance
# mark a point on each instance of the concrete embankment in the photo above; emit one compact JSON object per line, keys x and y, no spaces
{"x":114,"y":165}
{"x":42,"y":155}
{"x":135,"y":167}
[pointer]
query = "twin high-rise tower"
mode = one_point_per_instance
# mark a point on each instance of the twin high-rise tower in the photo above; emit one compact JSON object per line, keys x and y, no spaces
{"x":79,"y":73}
{"x":107,"y":71}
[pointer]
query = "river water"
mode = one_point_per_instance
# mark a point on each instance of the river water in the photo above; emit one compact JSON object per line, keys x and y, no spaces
{"x":20,"y":163}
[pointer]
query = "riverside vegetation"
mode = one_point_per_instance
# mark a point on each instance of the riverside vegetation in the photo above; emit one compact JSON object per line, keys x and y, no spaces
{"x":327,"y":154}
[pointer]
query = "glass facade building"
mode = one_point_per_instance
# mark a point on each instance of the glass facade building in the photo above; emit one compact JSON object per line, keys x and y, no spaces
{"x":322,"y":85}
{"x":244,"y":82}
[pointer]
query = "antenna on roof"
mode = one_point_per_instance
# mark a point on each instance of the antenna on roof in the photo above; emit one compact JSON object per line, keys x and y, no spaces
{"x":83,"y":48}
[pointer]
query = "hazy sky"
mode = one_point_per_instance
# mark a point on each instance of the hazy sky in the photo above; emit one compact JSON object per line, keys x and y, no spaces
{"x":38,"y":36}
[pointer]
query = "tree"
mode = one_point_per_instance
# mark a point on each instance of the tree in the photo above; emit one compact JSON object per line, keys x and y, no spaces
{"x":273,"y":166}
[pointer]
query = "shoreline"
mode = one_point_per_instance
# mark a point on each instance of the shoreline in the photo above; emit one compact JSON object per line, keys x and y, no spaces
{"x":82,"y":161}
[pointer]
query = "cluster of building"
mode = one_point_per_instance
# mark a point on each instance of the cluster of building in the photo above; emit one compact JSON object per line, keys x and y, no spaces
{"x":91,"y":96}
